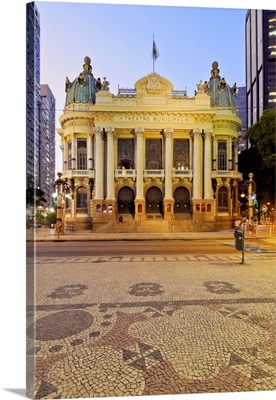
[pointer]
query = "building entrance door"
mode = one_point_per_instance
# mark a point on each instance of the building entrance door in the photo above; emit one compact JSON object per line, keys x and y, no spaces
{"x":126,"y":201}
{"x":182,"y":200}
{"x":154,"y":200}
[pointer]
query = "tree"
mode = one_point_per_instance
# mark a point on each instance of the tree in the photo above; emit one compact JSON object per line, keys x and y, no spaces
{"x":35,"y":197}
{"x":260,"y":157}
{"x":262,"y":137}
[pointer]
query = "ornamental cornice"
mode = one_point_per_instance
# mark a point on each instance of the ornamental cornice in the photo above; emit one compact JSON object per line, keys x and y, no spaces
{"x":231,"y":120}
{"x":203,"y":118}
{"x":127,"y":134}
{"x":67,"y":119}
{"x":222,"y":137}
{"x":185,"y":134}
{"x":153,"y":134}
{"x":80,"y":135}
{"x":103,"y":116}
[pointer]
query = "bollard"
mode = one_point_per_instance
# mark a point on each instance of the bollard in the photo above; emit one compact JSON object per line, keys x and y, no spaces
{"x":239,"y":242}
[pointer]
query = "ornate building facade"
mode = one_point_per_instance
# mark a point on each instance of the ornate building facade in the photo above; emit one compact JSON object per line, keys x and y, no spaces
{"x":150,"y":154}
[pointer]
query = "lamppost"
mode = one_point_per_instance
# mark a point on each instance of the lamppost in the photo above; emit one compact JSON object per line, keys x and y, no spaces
{"x":61,"y":186}
{"x":250,"y":200}
{"x":249,"y":187}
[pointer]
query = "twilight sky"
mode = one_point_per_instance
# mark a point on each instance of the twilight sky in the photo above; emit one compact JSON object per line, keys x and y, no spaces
{"x":118,"y":38}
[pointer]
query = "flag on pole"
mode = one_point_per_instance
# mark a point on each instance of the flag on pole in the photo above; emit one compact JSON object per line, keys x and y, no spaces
{"x":155,"y":53}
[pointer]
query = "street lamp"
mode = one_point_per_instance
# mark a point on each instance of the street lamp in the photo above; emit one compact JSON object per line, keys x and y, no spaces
{"x":61,"y":186}
{"x":249,"y":188}
{"x":250,"y":201}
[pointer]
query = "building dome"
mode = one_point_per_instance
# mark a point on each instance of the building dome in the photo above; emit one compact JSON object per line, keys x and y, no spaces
{"x":219,"y":91}
{"x":84,"y":88}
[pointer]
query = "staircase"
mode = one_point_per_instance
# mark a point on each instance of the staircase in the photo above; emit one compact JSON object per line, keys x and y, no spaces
{"x":154,"y":226}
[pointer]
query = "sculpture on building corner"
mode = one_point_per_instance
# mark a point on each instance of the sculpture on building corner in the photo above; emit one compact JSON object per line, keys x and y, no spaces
{"x":105,"y":84}
{"x":215,"y":70}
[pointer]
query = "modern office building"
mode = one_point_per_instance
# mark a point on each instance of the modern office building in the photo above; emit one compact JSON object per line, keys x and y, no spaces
{"x":47,"y":142}
{"x":150,"y":154}
{"x":40,"y":114}
{"x":260,"y":34}
{"x":32,"y":94}
{"x":241,"y":108}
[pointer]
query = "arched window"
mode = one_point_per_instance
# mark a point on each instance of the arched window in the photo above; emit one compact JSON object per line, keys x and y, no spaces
{"x":223,"y":199}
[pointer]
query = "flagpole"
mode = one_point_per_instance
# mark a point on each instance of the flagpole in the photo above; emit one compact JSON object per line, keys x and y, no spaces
{"x":153,"y":52}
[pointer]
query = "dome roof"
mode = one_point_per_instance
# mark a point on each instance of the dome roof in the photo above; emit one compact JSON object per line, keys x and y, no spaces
{"x":220,"y":92}
{"x":84,"y":88}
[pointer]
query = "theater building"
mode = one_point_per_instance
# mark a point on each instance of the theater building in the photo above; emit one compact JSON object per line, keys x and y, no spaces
{"x":153,"y":155}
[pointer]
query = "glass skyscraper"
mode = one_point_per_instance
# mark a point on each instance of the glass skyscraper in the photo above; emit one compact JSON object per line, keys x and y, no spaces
{"x":32,"y":94}
{"x":260,"y":33}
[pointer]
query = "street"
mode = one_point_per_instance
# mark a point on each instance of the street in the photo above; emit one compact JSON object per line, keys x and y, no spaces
{"x":155,"y":247}
{"x":144,"y":247}
{"x":138,"y":318}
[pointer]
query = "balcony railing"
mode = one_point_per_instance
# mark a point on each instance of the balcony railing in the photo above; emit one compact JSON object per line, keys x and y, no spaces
{"x":153,"y":173}
{"x":150,"y":173}
{"x":226,"y":173}
{"x":125,"y":173}
{"x":74,"y":173}
{"x":187,"y":173}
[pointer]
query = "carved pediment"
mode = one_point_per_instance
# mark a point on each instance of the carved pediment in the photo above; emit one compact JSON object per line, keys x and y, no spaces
{"x":153,"y":84}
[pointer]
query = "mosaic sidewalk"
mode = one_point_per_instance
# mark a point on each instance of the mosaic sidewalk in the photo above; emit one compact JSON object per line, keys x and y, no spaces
{"x":132,"y":326}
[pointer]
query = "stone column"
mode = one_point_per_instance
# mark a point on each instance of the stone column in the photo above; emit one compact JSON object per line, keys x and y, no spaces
{"x":139,"y":163}
{"x":215,"y":154}
{"x":235,"y":161}
{"x":89,"y":153}
{"x":207,"y":165}
{"x":110,"y":164}
{"x":168,"y":201}
{"x":74,"y":152}
{"x":229,"y":155}
{"x":139,"y":199}
{"x":190,"y":154}
{"x":168,"y":162}
{"x":197,"y":191}
{"x":99,"y":164}
{"x":65,"y":155}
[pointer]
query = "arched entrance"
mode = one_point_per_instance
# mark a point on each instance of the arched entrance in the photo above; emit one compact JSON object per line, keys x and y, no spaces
{"x":82,"y":200}
{"x":126,"y":201}
{"x":154,"y":200}
{"x":182,"y":203}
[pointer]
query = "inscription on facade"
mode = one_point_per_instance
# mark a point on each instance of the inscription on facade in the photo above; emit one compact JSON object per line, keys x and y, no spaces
{"x":153,"y":119}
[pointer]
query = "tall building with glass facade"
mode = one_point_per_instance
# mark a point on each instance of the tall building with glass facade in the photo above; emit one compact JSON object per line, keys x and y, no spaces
{"x":40,"y":114}
{"x":32,"y":94}
{"x":260,"y":63}
{"x":47,"y":142}
{"x":241,"y":107}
